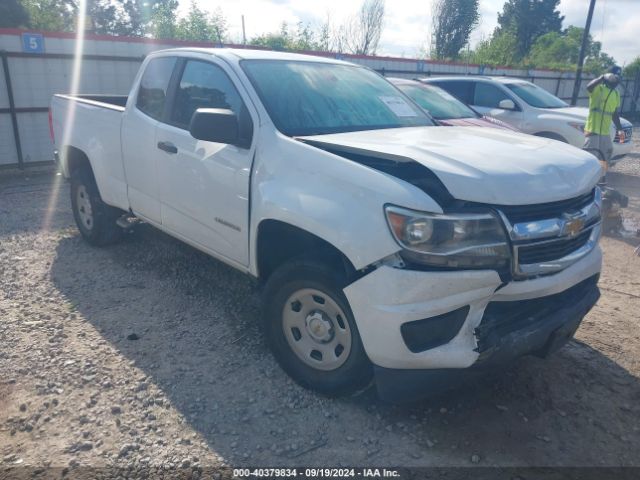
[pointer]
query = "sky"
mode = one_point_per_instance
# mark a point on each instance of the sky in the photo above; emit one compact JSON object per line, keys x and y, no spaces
{"x":616,"y":23}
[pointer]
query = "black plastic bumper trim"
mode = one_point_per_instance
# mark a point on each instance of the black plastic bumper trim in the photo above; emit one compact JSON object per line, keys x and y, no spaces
{"x":421,"y":335}
{"x":401,"y":386}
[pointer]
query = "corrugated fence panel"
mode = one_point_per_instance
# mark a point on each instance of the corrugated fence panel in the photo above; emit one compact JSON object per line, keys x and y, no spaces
{"x":36,"y":140}
{"x":8,"y":154}
{"x":4,"y":97}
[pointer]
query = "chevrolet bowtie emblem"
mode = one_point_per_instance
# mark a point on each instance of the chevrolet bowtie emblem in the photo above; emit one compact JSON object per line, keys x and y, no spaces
{"x":573,"y":225}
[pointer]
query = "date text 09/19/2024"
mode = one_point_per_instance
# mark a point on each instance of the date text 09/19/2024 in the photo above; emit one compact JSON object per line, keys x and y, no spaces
{"x":315,"y":473}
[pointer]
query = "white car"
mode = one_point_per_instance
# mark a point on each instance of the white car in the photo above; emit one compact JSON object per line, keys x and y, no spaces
{"x":529,"y":108}
{"x":384,"y":243}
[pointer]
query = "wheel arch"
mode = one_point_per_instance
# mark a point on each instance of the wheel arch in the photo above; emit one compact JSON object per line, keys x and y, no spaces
{"x":278,"y":242}
{"x":73,"y":160}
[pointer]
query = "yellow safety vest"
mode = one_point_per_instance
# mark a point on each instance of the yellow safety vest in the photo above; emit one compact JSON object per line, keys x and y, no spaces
{"x":603,"y":101}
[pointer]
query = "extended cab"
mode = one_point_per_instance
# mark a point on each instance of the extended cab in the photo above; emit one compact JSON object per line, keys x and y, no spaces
{"x":385,"y":244}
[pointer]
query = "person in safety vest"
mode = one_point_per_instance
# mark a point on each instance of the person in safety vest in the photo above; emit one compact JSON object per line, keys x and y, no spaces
{"x":604,"y":105}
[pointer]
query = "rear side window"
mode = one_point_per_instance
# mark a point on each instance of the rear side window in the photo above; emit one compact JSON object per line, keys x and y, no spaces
{"x":152,"y":95}
{"x":203,"y":85}
{"x":487,"y":95}
{"x":462,"y":90}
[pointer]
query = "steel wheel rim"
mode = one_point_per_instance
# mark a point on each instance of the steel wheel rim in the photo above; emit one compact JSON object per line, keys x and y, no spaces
{"x":316,"y":329}
{"x":85,"y":212}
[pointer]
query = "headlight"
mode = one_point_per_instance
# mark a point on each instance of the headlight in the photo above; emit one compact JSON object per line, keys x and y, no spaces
{"x":453,"y":241}
{"x":577,"y":126}
{"x":597,"y":197}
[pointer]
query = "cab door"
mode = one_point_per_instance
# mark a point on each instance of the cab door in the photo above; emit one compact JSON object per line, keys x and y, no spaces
{"x":204,"y":186}
{"x":138,"y":135}
{"x":493,"y":101}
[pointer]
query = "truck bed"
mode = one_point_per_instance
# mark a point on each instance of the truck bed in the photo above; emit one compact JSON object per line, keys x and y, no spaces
{"x":114,"y":102}
{"x":91,"y":124}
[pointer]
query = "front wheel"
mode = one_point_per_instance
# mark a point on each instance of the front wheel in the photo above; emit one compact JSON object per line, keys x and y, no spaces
{"x":311,"y":330}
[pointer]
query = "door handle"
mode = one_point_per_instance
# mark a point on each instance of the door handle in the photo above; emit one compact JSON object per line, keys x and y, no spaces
{"x":168,"y":147}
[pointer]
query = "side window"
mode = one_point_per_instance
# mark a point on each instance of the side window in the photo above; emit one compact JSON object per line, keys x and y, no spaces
{"x":203,"y":85}
{"x":487,"y":95}
{"x":153,"y":86}
{"x":459,"y":89}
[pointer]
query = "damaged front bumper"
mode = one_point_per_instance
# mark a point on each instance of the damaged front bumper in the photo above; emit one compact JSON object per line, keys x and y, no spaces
{"x":469,"y":320}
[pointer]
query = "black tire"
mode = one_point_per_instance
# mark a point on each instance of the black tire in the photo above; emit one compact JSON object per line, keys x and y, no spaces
{"x":356,"y":371}
{"x":101,"y":229}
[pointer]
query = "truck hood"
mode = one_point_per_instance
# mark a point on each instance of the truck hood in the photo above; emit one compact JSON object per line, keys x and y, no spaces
{"x":575,"y":114}
{"x":476,"y":122}
{"x":486,"y":165}
{"x":571,"y":113}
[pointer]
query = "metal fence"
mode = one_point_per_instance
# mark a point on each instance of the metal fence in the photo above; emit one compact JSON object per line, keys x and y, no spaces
{"x":109,"y":65}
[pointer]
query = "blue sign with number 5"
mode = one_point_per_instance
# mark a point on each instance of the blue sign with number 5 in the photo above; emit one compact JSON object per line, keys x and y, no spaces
{"x":32,"y":43}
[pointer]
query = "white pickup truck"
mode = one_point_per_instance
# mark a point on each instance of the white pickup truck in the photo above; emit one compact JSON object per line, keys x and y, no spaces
{"x":530,"y":109}
{"x":387,"y":246}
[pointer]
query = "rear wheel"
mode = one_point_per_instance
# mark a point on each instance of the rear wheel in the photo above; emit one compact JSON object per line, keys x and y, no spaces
{"x":95,"y":219}
{"x":311,"y":330}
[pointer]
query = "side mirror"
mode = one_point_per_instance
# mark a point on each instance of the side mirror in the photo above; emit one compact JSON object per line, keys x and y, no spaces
{"x":215,"y":125}
{"x":507,"y":104}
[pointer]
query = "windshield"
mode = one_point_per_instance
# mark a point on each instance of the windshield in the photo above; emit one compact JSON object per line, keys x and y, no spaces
{"x":535,"y":96}
{"x":312,"y":98}
{"x":437,"y":102}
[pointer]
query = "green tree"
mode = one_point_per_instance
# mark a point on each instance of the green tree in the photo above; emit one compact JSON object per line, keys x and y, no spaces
{"x":163,"y":22}
{"x":136,"y":17}
{"x":274,"y":41}
{"x":561,"y":50}
{"x":454,"y":21}
{"x":13,"y":14}
{"x":304,"y":37}
{"x":528,"y":20}
{"x":52,"y":15}
{"x":105,"y":17}
{"x":200,"y":26}
{"x":500,"y":49}
{"x":323,"y":42}
{"x":633,"y":69}
{"x":125,"y":17}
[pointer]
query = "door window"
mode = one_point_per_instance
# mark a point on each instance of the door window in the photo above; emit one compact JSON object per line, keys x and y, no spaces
{"x":203,"y":85}
{"x":487,"y":95}
{"x":152,"y":94}
{"x":461,"y":89}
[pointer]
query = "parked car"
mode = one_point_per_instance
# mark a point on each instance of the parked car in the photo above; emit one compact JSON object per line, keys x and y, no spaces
{"x":445,"y":108}
{"x":383,"y":245}
{"x":529,"y":108}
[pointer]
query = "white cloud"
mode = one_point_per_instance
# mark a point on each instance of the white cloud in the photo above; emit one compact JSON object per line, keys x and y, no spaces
{"x":616,"y":23}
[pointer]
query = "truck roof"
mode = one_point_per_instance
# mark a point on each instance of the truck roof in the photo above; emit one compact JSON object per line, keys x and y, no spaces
{"x":501,"y":79}
{"x":403,"y":81}
{"x":253,"y":54}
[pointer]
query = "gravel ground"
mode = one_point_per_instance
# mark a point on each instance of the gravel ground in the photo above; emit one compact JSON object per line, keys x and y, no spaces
{"x":630,"y":165}
{"x":146,"y":357}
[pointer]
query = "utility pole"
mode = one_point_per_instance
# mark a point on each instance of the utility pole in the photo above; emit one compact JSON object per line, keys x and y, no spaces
{"x":244,"y":34}
{"x":583,"y":47}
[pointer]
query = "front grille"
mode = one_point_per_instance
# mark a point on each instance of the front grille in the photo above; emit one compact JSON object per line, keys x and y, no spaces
{"x":551,"y":250}
{"x":541,"y":211}
{"x":501,"y":319}
{"x":627,"y":135}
